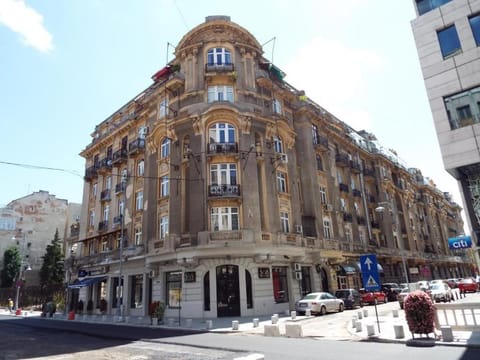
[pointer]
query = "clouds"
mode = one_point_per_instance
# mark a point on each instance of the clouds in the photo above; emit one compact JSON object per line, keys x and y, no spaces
{"x":336,"y":76}
{"x":24,"y":20}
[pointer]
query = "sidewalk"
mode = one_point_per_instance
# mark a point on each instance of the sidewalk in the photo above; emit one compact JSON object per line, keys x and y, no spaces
{"x":311,"y":327}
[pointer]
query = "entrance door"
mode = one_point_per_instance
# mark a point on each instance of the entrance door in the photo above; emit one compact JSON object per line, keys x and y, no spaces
{"x":228,"y":292}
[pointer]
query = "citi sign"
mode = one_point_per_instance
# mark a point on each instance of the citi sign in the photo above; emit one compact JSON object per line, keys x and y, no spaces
{"x":461,"y":242}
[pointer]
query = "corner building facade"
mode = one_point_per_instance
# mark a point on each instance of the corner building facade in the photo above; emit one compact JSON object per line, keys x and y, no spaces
{"x":235,"y":194}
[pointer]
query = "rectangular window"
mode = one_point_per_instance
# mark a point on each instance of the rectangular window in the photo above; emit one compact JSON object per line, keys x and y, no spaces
{"x":348,"y":235}
{"x":94,"y":190}
{"x":327,"y":232}
{"x":449,"y":41}
{"x":139,"y":201}
{"x":106,"y":212}
{"x":280,"y":284}
{"x":276,"y":106}
{"x":174,"y":289}
{"x":91,"y":220}
{"x":424,"y":6}
{"x":136,"y":299}
{"x":464,"y":114}
{"x":141,"y":168}
{"x":281,"y":182}
{"x":475,"y":26}
{"x":223,"y":174}
{"x":138,"y":236}
{"x":284,"y":222}
{"x":108,"y":183}
{"x":220,"y":93}
{"x":163,"y":108}
{"x":164,"y":186}
{"x":323,"y":195}
{"x":163,"y":227}
{"x":315,"y":134}
{"x":224,"y":218}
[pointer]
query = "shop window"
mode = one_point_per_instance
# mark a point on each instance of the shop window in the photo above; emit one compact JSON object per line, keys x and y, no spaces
{"x":280,"y":284}
{"x":136,"y":292}
{"x":173,"y":289}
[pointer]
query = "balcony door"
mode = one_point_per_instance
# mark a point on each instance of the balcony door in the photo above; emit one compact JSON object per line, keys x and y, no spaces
{"x":228,"y":291}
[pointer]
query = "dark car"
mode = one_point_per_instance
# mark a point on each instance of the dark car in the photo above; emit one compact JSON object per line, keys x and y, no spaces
{"x":391,"y":290}
{"x":351,"y":298}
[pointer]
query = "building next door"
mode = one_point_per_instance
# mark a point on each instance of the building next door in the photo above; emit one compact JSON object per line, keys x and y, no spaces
{"x":228,"y":291}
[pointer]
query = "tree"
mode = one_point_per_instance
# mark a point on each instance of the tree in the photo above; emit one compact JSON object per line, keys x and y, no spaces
{"x":52,"y":273}
{"x":11,"y":266}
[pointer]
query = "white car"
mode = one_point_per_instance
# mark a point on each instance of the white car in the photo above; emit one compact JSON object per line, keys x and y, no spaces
{"x":441,"y":292}
{"x":319,"y":303}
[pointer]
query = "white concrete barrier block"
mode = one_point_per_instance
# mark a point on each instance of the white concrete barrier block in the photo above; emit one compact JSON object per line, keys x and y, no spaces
{"x":209,"y":324}
{"x":293,"y":330}
{"x":399,"y":331}
{"x":395,"y":313}
{"x":293,"y":315}
{"x":447,"y":333}
{"x":358,"y":326}
{"x":370,"y":329}
{"x":255,"y":322}
{"x":235,"y":325}
{"x":271,"y":330}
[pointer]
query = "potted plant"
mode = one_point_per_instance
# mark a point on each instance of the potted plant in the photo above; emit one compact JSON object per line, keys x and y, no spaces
{"x":156,"y":311}
{"x":420,"y":313}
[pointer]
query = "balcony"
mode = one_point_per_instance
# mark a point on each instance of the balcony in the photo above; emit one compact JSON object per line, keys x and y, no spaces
{"x":356,"y":193}
{"x":343,"y":187}
{"x":91,"y":173}
{"x":136,"y":146}
{"x":105,"y":195}
{"x":321,"y":143}
{"x":218,"y":68}
{"x":119,"y":157}
{"x":103,"y":225}
{"x":342,"y":160}
{"x":347,"y":217}
{"x":105,"y":164}
{"x":355,"y":167}
{"x":223,"y":148}
{"x":117,"y":220}
{"x":224,"y":190}
{"x":369,"y":173}
{"x":120,"y":188}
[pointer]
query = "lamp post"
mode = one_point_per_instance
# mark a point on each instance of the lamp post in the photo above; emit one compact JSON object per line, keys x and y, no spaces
{"x":381,"y":210}
{"x":120,"y":259}
{"x":24,"y":266}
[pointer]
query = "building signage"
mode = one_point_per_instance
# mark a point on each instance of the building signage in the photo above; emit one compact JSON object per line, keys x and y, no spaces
{"x":189,"y":276}
{"x":264,"y":273}
{"x":460,"y":242}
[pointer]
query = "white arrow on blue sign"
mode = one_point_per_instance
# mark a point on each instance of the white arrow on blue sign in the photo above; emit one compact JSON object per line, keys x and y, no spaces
{"x":370,"y":276}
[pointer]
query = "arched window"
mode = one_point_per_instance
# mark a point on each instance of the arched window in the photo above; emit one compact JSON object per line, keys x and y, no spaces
{"x":165,"y":148}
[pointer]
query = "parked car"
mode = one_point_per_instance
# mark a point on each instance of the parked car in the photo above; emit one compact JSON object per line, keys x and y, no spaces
{"x":391,"y":290}
{"x":402,"y":295}
{"x":468,"y":285}
{"x":423,"y":284}
{"x":441,"y":292}
{"x":319,"y":303}
{"x":351,"y":298}
{"x":453,"y":282}
{"x":436,"y":281}
{"x":370,"y":297}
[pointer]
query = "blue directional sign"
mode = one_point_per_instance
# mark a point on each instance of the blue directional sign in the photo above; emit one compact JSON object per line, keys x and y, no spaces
{"x":370,"y":276}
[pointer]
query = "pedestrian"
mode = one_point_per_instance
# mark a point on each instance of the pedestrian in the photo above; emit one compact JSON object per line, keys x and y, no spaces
{"x":10,"y":305}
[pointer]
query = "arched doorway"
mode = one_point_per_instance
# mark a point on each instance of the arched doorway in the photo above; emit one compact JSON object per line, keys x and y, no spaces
{"x":228,"y":291}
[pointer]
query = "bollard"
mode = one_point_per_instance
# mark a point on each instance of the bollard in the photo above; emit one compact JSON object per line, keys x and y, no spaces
{"x":354,"y":320}
{"x":365,"y":312}
{"x":255,"y":322}
{"x":209,"y":324}
{"x":293,"y":314}
{"x":235,"y":325}
{"x":274,"y":319}
{"x":308,"y":312}
{"x":395,"y":313}
{"x":287,"y":312}
{"x":188,"y":323}
{"x":359,"y":315}
{"x":370,"y":329}
{"x":358,"y":326}
{"x":447,"y":333}
{"x":399,"y":332}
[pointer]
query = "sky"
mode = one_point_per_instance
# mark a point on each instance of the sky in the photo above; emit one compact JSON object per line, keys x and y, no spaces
{"x":65,"y":66}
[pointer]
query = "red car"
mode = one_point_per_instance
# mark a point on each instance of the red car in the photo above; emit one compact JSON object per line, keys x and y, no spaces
{"x":369,"y":297}
{"x":467,"y":285}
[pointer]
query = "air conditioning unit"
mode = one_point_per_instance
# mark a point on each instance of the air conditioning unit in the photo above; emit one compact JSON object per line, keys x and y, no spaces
{"x":283,"y":158}
{"x":299,"y":229}
{"x":328,"y":207}
{"x":297,"y":267}
{"x":298,"y":275}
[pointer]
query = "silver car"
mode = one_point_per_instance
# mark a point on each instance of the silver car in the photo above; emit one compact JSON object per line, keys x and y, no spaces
{"x":319,"y":303}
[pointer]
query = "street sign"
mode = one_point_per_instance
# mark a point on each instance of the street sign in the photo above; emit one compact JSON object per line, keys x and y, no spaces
{"x":370,"y":276}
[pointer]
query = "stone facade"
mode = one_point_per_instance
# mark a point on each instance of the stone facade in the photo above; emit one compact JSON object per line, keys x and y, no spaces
{"x":234,"y":193}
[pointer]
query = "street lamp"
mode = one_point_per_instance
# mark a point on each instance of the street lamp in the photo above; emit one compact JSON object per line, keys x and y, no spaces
{"x":381,"y":210}
{"x":24,"y":266}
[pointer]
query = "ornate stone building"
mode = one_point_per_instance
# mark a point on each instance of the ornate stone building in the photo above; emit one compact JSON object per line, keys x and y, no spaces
{"x":235,"y":194}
